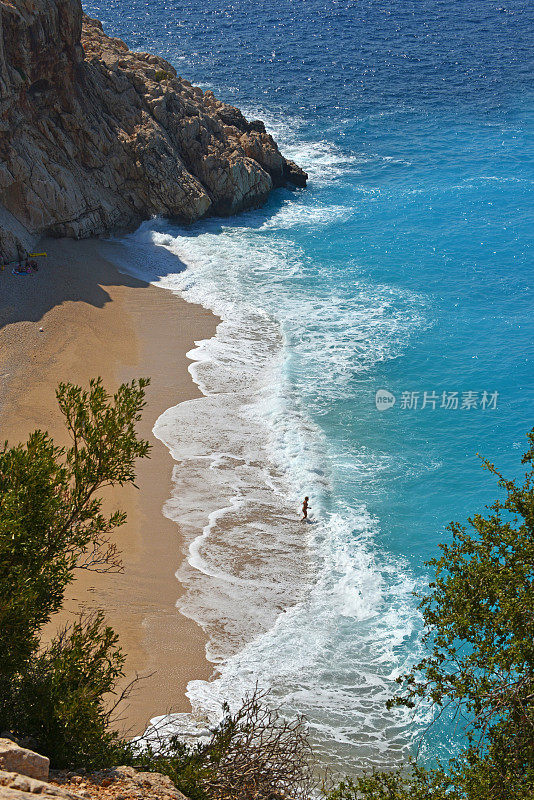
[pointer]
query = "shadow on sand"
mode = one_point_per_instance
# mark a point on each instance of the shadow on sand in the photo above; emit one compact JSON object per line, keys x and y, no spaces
{"x":94,"y":262}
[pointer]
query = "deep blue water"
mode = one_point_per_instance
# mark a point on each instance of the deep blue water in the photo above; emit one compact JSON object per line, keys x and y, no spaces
{"x":406,"y":265}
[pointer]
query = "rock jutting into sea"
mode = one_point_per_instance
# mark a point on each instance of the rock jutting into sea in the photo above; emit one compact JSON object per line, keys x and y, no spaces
{"x":94,"y":137}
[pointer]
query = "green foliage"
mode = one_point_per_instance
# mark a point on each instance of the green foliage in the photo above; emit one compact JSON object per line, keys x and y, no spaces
{"x":59,"y":699}
{"x":479,"y":629}
{"x":162,"y":75}
{"x":416,"y":783}
{"x":184,"y":764}
{"x":51,"y":522}
{"x":254,"y":753}
{"x":479,"y":635}
{"x":471,"y":777}
{"x":35,"y":563}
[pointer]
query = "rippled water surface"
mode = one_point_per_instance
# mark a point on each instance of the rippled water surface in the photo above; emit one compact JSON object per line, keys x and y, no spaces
{"x":406,"y":265}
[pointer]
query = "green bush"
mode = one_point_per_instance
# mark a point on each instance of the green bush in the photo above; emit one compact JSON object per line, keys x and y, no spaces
{"x":254,"y":753}
{"x":51,"y":523}
{"x":479,"y":635}
{"x":162,"y":75}
{"x":415,"y":783}
{"x":184,"y":764}
{"x":60,"y":697}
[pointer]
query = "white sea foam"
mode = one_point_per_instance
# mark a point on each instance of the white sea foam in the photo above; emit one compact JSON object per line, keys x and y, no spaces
{"x":324,"y":162}
{"x":292,"y":215}
{"x":317,"y":613}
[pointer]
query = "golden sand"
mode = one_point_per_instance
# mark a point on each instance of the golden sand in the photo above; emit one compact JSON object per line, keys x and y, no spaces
{"x":97,"y":321}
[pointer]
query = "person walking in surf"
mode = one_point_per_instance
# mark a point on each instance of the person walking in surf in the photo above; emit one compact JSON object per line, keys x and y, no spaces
{"x":305,"y":507}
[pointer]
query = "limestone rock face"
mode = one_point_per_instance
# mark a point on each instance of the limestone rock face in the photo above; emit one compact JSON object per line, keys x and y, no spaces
{"x":119,"y":783}
{"x":14,"y":758}
{"x":20,"y":787}
{"x":112,"y":784}
{"x":95,"y":137}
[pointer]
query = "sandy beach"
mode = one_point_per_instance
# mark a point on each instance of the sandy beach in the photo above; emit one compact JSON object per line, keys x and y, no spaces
{"x":97,"y":321}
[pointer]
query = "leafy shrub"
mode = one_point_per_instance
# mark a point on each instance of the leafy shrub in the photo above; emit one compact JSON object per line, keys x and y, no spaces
{"x":479,"y":631}
{"x":254,"y":753}
{"x":479,"y":634}
{"x":51,"y":523}
{"x":162,"y":75}
{"x":415,"y":783}
{"x":60,"y":698}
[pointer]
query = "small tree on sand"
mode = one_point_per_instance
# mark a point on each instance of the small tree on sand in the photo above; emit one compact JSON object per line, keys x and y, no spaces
{"x":51,"y":523}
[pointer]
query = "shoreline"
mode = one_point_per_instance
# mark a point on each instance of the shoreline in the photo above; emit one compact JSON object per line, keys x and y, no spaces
{"x":97,"y":321}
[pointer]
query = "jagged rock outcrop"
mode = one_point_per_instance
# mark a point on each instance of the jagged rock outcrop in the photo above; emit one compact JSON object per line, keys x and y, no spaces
{"x":95,"y":137}
{"x":14,"y":758}
{"x":14,"y":786}
{"x":120,"y":783}
{"x":24,"y":773}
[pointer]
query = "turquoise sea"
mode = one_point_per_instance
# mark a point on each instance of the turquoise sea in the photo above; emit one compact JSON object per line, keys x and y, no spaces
{"x":405,"y":266}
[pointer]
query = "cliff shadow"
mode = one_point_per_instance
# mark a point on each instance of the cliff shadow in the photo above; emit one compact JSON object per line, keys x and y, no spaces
{"x":150,"y":253}
{"x":72,"y":271}
{"x":259,"y":218}
{"x":80,"y":271}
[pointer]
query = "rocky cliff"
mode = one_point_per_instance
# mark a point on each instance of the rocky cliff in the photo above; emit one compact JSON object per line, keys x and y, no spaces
{"x":94,"y":137}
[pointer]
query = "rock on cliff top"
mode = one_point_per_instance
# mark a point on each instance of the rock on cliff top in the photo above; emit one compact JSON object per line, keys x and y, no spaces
{"x":24,"y":774}
{"x":95,"y":137}
{"x":121,"y":783}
